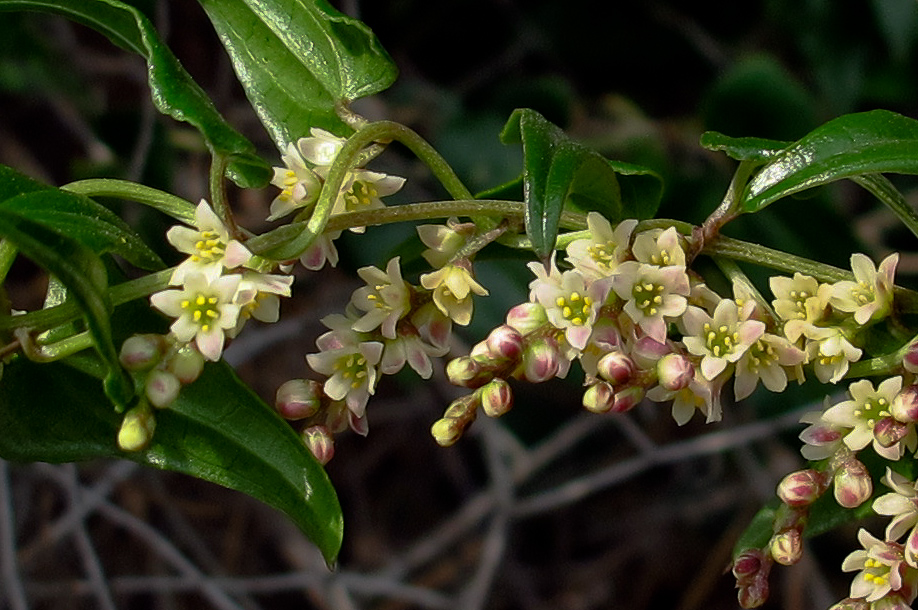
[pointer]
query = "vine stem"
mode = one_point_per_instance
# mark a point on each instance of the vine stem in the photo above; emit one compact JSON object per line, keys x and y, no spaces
{"x":169,"y":204}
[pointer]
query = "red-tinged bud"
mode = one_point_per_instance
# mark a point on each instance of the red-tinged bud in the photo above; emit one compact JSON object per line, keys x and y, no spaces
{"x":320,"y":443}
{"x":463,"y":408}
{"x":137,"y":428}
{"x":466,"y":373}
{"x":754,"y":593}
{"x":615,"y":367}
{"x":541,"y":360}
{"x":447,"y":431}
{"x":505,"y":344}
{"x":186,"y":363}
{"x":675,"y":372}
{"x":889,"y":431}
{"x":480,"y":354}
{"x":142,"y":352}
{"x":853,"y":485}
{"x":904,"y":406}
{"x":162,"y":388}
{"x":748,"y":563}
{"x":526,"y":317}
{"x":910,"y":361}
{"x":496,"y":397}
{"x":298,"y":399}
{"x":599,"y":397}
{"x":627,"y":399}
{"x":851,"y":603}
{"x":787,"y":547}
{"x":803,"y":487}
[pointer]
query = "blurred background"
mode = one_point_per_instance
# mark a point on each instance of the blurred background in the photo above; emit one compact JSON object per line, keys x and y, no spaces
{"x":548,"y":507}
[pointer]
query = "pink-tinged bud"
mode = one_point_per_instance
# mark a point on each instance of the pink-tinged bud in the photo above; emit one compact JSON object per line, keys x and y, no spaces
{"x":360,"y":425}
{"x":465,"y":372}
{"x":162,"y":388}
{"x":447,"y":431}
{"x":298,"y":399}
{"x":904,"y":406}
{"x":142,"y":352}
{"x":615,"y":367}
{"x":910,"y":361}
{"x":496,"y":397}
{"x":748,"y":563}
{"x":599,"y":397}
{"x":320,"y":443}
{"x":505,"y":344}
{"x":803,"y":487}
{"x":137,"y":428}
{"x":851,"y":603}
{"x":186,"y":363}
{"x":541,"y":360}
{"x":754,"y":593}
{"x":853,"y":485}
{"x":627,"y":399}
{"x":787,"y":547}
{"x":675,"y":372}
{"x":646,"y":352}
{"x":526,"y":317}
{"x":889,"y":431}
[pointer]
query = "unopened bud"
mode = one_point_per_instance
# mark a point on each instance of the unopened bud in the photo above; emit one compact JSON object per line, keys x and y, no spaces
{"x":186,"y":363}
{"x":627,"y":398}
{"x":505,"y":344}
{"x":748,"y":563}
{"x":162,"y":388}
{"x":852,"y":603}
{"x":675,"y":372}
{"x":446,"y":431}
{"x":142,"y":352}
{"x":647,"y":352}
{"x":803,"y":487}
{"x":889,"y":431}
{"x":853,"y":485}
{"x":615,"y":367}
{"x":541,"y":360}
{"x":910,"y":361}
{"x":526,"y":317}
{"x":359,"y":424}
{"x":137,"y":428}
{"x":787,"y":547}
{"x":320,"y":443}
{"x":465,"y":372}
{"x":496,"y":397}
{"x":904,"y":406}
{"x":599,"y":397}
{"x":298,"y":399}
{"x":754,"y":593}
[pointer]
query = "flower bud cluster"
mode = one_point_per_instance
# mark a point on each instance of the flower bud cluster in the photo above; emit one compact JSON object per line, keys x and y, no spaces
{"x":160,"y":366}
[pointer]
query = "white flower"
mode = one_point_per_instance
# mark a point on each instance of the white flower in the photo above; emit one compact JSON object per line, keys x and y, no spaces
{"x":902,"y":505}
{"x":409,"y":347}
{"x":362,"y":191}
{"x":599,"y":255}
{"x":800,"y":302}
{"x":821,"y":438}
{"x":870,"y":296}
{"x":321,"y":147}
{"x":300,"y":186}
{"x":208,"y":245}
{"x":452,"y":288}
{"x":652,"y":294}
{"x":830,"y":352}
{"x":444,"y":241}
{"x":866,"y":407}
{"x":322,"y":250}
{"x":383,"y":301}
{"x":881,"y":566}
{"x":659,"y":247}
{"x":766,"y":359}
{"x":700,"y":395}
{"x":258,"y":297}
{"x":719,"y":340}
{"x":205,"y":309}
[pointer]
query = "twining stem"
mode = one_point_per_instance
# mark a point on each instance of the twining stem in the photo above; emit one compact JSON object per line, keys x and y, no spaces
{"x":176,"y":207}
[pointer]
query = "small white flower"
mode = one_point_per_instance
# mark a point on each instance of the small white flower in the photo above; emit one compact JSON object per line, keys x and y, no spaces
{"x":830,"y":352}
{"x":321,"y":147}
{"x":383,"y":301}
{"x":300,"y":186}
{"x":599,"y":255}
{"x":719,"y":340}
{"x":870,"y":296}
{"x":902,"y":505}
{"x":766,"y":359}
{"x":652,"y":295}
{"x":821,"y":438}
{"x":659,"y":247}
{"x":204,"y":309}
{"x":866,"y":407}
{"x":363,"y":190}
{"x":258,"y":297}
{"x":322,"y":250}
{"x":800,"y":302}
{"x":881,"y":568}
{"x":452,"y":288}
{"x":208,"y":245}
{"x":444,"y":241}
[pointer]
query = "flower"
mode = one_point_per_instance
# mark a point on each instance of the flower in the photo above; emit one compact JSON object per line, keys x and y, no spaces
{"x":600,"y":254}
{"x":321,"y":250}
{"x":384,"y":300}
{"x":882,"y":569}
{"x":699,"y":395}
{"x":719,"y":340}
{"x":300,"y":186}
{"x":320,"y":148}
{"x":861,"y":413}
{"x":452,"y":288}
{"x":766,"y":359}
{"x":444,"y":241}
{"x":659,"y":247}
{"x":800,"y":302}
{"x":408,"y":346}
{"x":902,"y":505}
{"x":652,"y":295}
{"x":870,"y":296}
{"x":821,"y":438}
{"x":258,"y":297}
{"x":362,"y":190}
{"x":204,"y":310}
{"x":208,"y":245}
{"x":831,"y":352}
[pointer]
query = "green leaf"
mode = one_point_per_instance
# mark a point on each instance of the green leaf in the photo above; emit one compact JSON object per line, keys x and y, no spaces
{"x":216,"y":430}
{"x":83,"y":274}
{"x":173,"y":90}
{"x":297,"y":59}
{"x":641,"y":189}
{"x":75,"y":216}
{"x":742,"y":149}
{"x":558,"y":172}
{"x":852,"y":145}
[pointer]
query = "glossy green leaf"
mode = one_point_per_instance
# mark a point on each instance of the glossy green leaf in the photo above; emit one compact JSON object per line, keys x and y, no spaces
{"x":173,"y":90}
{"x":217,"y":430}
{"x":878,"y":141}
{"x":83,"y":274}
{"x":558,"y":172}
{"x":742,"y":149}
{"x":297,"y":59}
{"x":641,"y":189}
{"x":75,"y":216}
